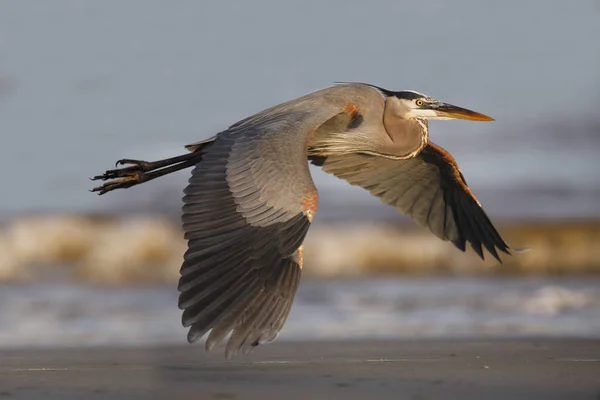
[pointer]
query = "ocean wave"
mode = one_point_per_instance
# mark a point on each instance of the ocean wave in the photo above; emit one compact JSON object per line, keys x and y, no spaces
{"x":43,"y":315}
{"x":149,"y":249}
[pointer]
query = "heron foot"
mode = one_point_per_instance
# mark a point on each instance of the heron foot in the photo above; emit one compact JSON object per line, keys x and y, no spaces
{"x":142,"y":171}
{"x":138,"y":164}
{"x":123,"y":178}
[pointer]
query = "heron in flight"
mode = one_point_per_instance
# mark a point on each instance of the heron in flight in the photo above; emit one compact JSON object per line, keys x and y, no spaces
{"x":251,"y":199}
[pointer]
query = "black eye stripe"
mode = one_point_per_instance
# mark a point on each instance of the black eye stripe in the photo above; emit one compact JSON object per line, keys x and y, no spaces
{"x":403,"y":94}
{"x":408,"y":95}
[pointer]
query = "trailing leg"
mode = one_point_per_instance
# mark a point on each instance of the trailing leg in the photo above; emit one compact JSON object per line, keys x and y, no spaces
{"x":143,"y":171}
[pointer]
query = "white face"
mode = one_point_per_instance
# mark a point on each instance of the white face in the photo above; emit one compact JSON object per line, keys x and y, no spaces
{"x":417,"y":105}
{"x":412,"y":108}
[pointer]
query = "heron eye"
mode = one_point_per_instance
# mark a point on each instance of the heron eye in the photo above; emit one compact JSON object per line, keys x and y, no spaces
{"x":419,"y":102}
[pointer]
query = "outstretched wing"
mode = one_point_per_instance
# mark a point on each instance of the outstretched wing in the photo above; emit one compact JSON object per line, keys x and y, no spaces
{"x":429,"y":188}
{"x":247,"y":208}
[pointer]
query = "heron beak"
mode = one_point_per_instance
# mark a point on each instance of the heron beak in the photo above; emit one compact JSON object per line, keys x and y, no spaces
{"x":449,"y":111}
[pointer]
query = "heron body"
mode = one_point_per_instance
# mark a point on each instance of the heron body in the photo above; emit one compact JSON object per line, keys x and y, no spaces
{"x":251,"y":199}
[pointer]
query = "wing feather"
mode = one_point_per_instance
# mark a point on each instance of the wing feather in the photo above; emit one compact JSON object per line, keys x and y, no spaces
{"x":430,"y":188}
{"x":245,"y":220}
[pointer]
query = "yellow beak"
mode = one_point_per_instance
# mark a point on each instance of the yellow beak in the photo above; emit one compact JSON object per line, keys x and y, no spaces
{"x":450,"y":111}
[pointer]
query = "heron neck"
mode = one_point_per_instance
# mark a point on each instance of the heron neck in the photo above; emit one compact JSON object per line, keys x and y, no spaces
{"x":407,"y":136}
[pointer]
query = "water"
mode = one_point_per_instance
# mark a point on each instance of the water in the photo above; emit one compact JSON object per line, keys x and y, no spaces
{"x":71,"y":315}
{"x":84,"y":83}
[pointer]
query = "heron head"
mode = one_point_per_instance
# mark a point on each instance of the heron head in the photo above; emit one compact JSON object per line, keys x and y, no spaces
{"x":411,"y":104}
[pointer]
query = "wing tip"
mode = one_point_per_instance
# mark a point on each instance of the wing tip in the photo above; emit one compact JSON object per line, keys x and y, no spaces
{"x":506,"y":249}
{"x":194,"y":335}
{"x":211,"y":344}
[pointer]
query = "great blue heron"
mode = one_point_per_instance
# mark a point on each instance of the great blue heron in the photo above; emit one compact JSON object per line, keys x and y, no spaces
{"x":251,"y":199}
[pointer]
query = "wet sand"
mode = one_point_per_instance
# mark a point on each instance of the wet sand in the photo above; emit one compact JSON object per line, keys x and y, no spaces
{"x":427,"y":369}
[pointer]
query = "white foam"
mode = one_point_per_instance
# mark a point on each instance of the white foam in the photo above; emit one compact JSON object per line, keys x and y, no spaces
{"x":45,"y":315}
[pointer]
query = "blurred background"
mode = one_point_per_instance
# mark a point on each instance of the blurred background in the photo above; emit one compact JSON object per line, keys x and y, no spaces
{"x":84,"y":83}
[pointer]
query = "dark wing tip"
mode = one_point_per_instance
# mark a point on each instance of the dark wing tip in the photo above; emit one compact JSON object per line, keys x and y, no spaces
{"x":474,"y":226}
{"x":460,"y":243}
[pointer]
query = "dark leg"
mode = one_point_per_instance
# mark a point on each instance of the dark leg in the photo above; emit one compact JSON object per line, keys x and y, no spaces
{"x":148,"y":166}
{"x":143,"y":171}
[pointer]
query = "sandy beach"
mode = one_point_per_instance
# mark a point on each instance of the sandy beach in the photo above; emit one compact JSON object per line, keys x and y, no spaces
{"x":448,"y":369}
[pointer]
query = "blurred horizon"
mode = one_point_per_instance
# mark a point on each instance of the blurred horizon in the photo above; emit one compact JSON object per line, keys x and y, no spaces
{"x":84,"y":84}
